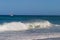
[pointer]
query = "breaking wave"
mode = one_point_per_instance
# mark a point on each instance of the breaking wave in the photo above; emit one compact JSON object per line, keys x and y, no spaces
{"x":19,"y":26}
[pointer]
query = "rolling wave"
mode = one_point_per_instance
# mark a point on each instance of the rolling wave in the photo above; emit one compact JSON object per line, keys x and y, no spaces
{"x":19,"y":26}
{"x":13,"y":26}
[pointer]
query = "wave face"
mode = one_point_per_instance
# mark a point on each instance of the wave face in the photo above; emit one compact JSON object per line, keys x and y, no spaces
{"x":20,"y":26}
{"x":39,"y":24}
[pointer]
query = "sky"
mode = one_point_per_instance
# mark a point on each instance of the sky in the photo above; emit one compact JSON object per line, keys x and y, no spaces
{"x":30,"y":7}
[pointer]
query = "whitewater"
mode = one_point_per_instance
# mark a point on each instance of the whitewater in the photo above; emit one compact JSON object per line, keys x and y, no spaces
{"x":19,"y":26}
{"x":27,"y":30}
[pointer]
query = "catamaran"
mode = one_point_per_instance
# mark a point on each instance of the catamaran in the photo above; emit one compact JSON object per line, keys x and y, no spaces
{"x":11,"y":15}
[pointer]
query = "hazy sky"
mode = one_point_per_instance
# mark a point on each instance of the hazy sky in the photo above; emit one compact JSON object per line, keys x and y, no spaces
{"x":30,"y":7}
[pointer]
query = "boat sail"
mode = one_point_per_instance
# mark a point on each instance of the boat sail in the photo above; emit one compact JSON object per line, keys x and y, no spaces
{"x":11,"y":14}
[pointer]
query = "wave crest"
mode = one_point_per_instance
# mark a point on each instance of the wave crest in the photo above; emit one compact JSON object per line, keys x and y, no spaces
{"x":13,"y":26}
{"x":19,"y":26}
{"x":42,"y":24}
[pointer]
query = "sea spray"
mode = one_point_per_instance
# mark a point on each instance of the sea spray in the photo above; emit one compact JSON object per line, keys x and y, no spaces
{"x":20,"y":26}
{"x":13,"y":26}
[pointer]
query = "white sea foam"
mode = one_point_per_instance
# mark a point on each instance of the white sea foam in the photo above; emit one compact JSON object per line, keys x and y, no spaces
{"x":41,"y":24}
{"x":19,"y":26}
{"x":29,"y":36}
{"x":13,"y":26}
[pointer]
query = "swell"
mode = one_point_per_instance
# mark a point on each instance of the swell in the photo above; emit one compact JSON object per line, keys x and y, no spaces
{"x":20,"y":26}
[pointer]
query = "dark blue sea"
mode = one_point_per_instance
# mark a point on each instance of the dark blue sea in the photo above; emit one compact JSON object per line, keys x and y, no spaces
{"x":30,"y":27}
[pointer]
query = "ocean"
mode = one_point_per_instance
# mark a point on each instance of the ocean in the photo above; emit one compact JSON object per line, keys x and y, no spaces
{"x":30,"y":27}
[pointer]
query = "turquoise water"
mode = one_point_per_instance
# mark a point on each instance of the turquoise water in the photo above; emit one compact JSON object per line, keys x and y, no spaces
{"x":8,"y":18}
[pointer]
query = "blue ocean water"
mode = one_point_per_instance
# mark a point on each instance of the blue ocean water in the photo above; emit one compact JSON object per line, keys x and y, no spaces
{"x":32,"y":18}
{"x":8,"y":18}
{"x":40,"y":26}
